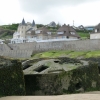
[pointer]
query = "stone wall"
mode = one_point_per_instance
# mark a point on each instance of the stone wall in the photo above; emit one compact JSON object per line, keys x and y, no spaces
{"x":25,"y":50}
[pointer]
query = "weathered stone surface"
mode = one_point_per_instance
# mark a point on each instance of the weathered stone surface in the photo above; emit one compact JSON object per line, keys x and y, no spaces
{"x":74,"y":80}
{"x":11,"y":77}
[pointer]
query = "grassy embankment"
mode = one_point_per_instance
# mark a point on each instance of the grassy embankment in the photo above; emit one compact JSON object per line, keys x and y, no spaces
{"x":71,"y":54}
{"x":6,"y":31}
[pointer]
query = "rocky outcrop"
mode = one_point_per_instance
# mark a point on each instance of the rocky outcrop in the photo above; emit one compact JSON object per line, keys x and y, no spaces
{"x":11,"y":77}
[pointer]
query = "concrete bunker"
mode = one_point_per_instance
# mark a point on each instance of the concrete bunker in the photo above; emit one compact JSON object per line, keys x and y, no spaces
{"x":41,"y":68}
{"x":78,"y":85}
{"x":56,"y":61}
{"x":61,"y":77}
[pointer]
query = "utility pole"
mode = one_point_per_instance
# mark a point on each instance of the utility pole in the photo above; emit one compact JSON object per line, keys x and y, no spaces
{"x":73,"y":22}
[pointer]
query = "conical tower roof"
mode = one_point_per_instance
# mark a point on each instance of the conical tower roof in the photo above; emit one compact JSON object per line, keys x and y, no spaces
{"x":33,"y":23}
{"x":23,"y":22}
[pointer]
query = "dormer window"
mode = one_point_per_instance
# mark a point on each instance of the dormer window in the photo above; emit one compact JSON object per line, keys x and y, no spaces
{"x":60,"y":33}
{"x":73,"y":33}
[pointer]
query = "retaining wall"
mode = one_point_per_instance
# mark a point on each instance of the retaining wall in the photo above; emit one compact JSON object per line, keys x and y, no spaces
{"x":24,"y":50}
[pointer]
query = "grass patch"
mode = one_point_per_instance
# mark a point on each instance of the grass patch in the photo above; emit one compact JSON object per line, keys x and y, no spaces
{"x":71,"y":54}
{"x":84,"y":35}
{"x":77,"y":54}
{"x":92,"y":54}
{"x":51,"y":54}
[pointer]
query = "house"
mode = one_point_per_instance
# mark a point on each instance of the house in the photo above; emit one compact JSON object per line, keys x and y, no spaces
{"x":52,"y":24}
{"x":89,"y":28}
{"x":1,"y":41}
{"x":41,"y":33}
{"x":63,"y":33}
{"x":67,"y":32}
{"x":95,"y":34}
{"x":28,"y":32}
{"x":23,"y":32}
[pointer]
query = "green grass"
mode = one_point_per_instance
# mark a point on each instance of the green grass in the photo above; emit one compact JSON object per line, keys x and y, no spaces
{"x":77,"y":54}
{"x":93,"y":54}
{"x":83,"y":35}
{"x":51,"y":54}
{"x":7,"y":37}
{"x":71,"y":54}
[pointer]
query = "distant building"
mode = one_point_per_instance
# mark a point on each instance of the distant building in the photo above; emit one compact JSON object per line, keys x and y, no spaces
{"x":68,"y":32}
{"x":95,"y":34}
{"x":28,"y":32}
{"x":52,"y":24}
{"x":1,"y":41}
{"x":81,"y":27}
{"x":89,"y":28}
{"x":23,"y":32}
{"x":63,"y":33}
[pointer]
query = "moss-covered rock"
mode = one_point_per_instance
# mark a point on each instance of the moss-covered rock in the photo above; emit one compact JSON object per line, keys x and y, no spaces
{"x":11,"y":77}
{"x":81,"y":79}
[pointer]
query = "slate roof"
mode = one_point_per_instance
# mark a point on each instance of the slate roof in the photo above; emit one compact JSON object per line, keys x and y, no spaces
{"x":98,"y":29}
{"x":52,"y":24}
{"x":23,"y":22}
{"x":29,"y":29}
{"x":33,"y":23}
{"x":67,"y":30}
{"x":44,"y":30}
{"x":32,"y":33}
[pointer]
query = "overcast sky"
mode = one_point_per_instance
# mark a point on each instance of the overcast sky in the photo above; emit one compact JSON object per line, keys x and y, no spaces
{"x":83,"y":12}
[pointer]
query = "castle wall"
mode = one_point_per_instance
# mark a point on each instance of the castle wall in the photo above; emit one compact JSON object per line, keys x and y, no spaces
{"x":24,"y":50}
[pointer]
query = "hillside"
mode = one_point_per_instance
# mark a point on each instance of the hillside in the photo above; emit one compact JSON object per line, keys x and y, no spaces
{"x":6,"y":31}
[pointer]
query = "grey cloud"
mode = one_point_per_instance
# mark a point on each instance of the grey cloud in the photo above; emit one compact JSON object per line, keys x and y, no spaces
{"x":42,"y":6}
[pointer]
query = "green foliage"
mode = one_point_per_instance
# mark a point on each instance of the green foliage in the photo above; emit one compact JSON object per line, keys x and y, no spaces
{"x":10,"y":27}
{"x":39,"y":25}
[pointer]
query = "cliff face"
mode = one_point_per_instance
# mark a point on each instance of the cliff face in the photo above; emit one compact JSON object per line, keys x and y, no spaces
{"x":11,"y":77}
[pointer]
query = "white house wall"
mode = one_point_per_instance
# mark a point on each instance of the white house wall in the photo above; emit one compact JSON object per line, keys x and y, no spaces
{"x":95,"y":36}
